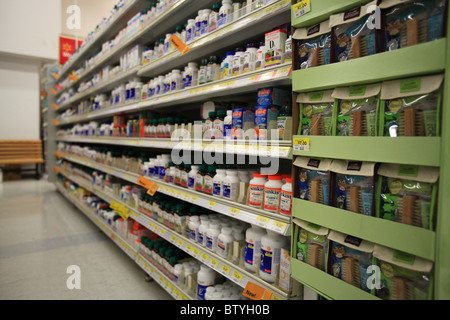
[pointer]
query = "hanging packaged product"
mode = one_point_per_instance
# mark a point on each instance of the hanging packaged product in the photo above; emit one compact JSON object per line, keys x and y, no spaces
{"x":350,"y":260}
{"x":310,"y":243}
{"x":314,"y":179}
{"x":411,"y":107}
{"x":352,"y":34}
{"x":408,"y":194}
{"x":403,"y":276}
{"x":273,"y":96}
{"x":357,"y":110}
{"x":408,"y":23}
{"x":284,"y":122}
{"x":354,"y":186}
{"x":313,"y":45}
{"x":275,"y":44}
{"x":316,"y":113}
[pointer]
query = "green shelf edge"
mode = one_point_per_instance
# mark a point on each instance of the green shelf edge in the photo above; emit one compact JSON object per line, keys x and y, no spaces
{"x":410,"y":239}
{"x":325,"y":284}
{"x":422,"y":151}
{"x":321,"y":10}
{"x":422,"y":59}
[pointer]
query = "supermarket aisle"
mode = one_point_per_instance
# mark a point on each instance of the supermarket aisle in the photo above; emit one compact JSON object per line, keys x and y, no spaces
{"x":42,"y":234}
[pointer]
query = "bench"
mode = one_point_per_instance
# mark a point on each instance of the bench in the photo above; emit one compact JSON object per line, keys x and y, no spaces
{"x":21,"y":152}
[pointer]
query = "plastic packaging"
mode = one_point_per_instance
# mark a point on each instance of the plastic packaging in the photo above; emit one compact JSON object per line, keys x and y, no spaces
{"x":253,"y":237}
{"x":271,"y":245}
{"x":212,"y":236}
{"x":192,"y":175}
{"x":218,"y":183}
{"x":206,"y":278}
{"x":256,"y":191}
{"x":225,"y":12}
{"x":286,"y":198}
{"x":224,"y":242}
{"x":230,"y":185}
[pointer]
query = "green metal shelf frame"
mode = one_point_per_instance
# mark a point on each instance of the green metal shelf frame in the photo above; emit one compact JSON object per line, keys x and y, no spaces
{"x":423,"y":59}
{"x":325,"y":284}
{"x":410,"y":239}
{"x":423,"y":151}
{"x":321,"y":10}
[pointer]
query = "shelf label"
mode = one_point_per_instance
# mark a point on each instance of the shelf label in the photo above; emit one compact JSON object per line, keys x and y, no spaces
{"x":301,"y":8}
{"x":234,"y":212}
{"x":214,"y":263}
{"x":55,"y":122}
{"x":237,"y":276}
{"x":56,"y":169}
{"x":73,"y":77}
{"x":255,"y":292}
{"x":120,"y":209}
{"x":301,"y":144}
{"x":212,"y":204}
{"x":58,"y":154}
{"x":179,"y":45}
{"x":53,"y":91}
{"x":281,"y":226}
{"x":225,"y":270}
{"x":262,"y":221}
{"x":54,"y":106}
{"x":56,"y":76}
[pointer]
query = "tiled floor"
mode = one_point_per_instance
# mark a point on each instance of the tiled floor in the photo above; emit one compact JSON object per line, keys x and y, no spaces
{"x":42,"y":234}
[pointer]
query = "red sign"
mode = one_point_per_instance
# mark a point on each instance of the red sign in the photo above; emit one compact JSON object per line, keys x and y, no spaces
{"x":67,"y":46}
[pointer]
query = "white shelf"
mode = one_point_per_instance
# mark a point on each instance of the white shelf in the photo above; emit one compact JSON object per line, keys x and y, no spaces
{"x":250,"y":82}
{"x":228,"y":269}
{"x":273,"y":14}
{"x":270,"y":221}
{"x":271,"y":149}
{"x":166,"y":283}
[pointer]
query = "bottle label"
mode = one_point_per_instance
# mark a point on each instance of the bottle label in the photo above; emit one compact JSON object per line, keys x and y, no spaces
{"x":266,"y":261}
{"x":271,"y":199}
{"x":201,"y":290}
{"x":223,"y":248}
{"x":208,"y":185}
{"x":199,"y":182}
{"x":210,"y":242}
{"x":201,"y":237}
{"x":204,"y":27}
{"x":184,"y":179}
{"x":249,"y":253}
{"x":217,"y":189}
{"x":192,"y":234}
{"x":213,"y":22}
{"x":227,"y":191}
{"x":189,"y":34}
{"x":286,"y":203}
{"x":227,"y":130}
{"x":191,"y":183}
{"x":256,"y":196}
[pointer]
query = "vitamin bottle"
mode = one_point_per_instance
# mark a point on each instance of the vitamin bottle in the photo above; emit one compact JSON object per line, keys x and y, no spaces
{"x":200,"y":178}
{"x":224,"y":242}
{"x":259,"y":64}
{"x":202,"y":231}
{"x":286,"y":198}
{"x":194,"y":224}
{"x":271,"y":245}
{"x":253,"y":237}
{"x":202,"y":73}
{"x":272,"y":191}
{"x":204,"y":21}
{"x":185,"y":175}
{"x":213,"y":22}
{"x":190,"y":30}
{"x":218,"y":182}
{"x":192,"y":175}
{"x":238,"y":62}
{"x":218,"y":125}
{"x":228,"y":124}
{"x":208,"y":126}
{"x":212,"y":235}
{"x":230,"y":185}
{"x":191,"y":74}
{"x":250,"y":58}
{"x":208,"y":181}
{"x":225,"y":12}
{"x":256,"y":191}
{"x":213,"y":69}
{"x":206,"y":278}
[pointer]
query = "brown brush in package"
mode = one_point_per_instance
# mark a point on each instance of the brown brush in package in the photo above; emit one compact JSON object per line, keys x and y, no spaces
{"x":402,"y":289}
{"x":414,"y":33}
{"x":316,"y":256}
{"x":350,"y":271}
{"x":316,"y":191}
{"x":409,"y":211}
{"x":411,"y":123}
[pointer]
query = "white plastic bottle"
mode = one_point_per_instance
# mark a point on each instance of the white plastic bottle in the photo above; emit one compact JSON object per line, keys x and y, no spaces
{"x":250,"y":58}
{"x":191,"y":74}
{"x":286,"y":198}
{"x":228,"y":125}
{"x":212,"y":235}
{"x":178,"y":272}
{"x":272,"y":191}
{"x":202,"y":231}
{"x":209,"y":293}
{"x":224,"y":242}
{"x":190,"y":30}
{"x":256,"y":191}
{"x":238,"y":62}
{"x":271,"y":245}
{"x":198,"y":24}
{"x":204,"y":21}
{"x":192,"y":175}
{"x":218,"y":183}
{"x":259,"y":64}
{"x":171,"y":173}
{"x":206,"y":278}
{"x":253,"y":238}
{"x":225,"y":12}
{"x":194,"y":224}
{"x":213,"y":20}
{"x":230,"y":185}
{"x":167,"y":44}
{"x":243,"y":176}
{"x":177,"y":80}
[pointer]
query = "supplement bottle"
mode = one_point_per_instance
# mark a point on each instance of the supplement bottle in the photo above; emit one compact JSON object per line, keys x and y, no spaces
{"x":202,"y":231}
{"x":185,"y":175}
{"x":190,"y":30}
{"x":230,"y":185}
{"x":208,"y":126}
{"x":171,"y":173}
{"x":218,"y":183}
{"x":194,"y":224}
{"x":204,"y":21}
{"x":272,"y":191}
{"x":284,"y":121}
{"x":228,"y":125}
{"x":213,"y":22}
{"x":271,"y":245}
{"x":259,"y":64}
{"x":224,"y":242}
{"x":227,"y":65}
{"x":178,"y":273}
{"x":208,"y":181}
{"x":212,"y":235}
{"x":286,"y":198}
{"x":253,"y":237}
{"x":177,"y":80}
{"x":192,"y":175}
{"x":179,"y":218}
{"x":206,"y":278}
{"x":218,"y":125}
{"x":213,"y":69}
{"x":200,"y":178}
{"x":238,"y":62}
{"x":191,"y":75}
{"x":225,"y":12}
{"x":256,"y":191}
{"x":209,"y":293}
{"x":177,"y":177}
{"x":202,"y":73}
{"x":250,"y":58}
{"x":198,"y":24}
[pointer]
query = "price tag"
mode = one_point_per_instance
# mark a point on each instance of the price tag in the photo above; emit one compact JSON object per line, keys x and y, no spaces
{"x":301,"y":144}
{"x":179,"y":45}
{"x":144,"y":182}
{"x":301,"y":8}
{"x":225,"y":269}
{"x":204,"y":257}
{"x":53,"y":91}
{"x":58,"y":154}
{"x":73,"y":77}
{"x":55,"y":122}
{"x":212,"y":204}
{"x":234,"y":211}
{"x":262,"y":221}
{"x":120,"y":209}
{"x":237,"y":276}
{"x":54,"y":106}
{"x":56,"y":76}
{"x":281,"y":226}
{"x":214,"y":263}
{"x":255,"y":292}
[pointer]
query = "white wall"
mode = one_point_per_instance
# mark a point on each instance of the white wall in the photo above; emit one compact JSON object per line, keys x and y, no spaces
{"x":19,"y":103}
{"x":30,"y":27}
